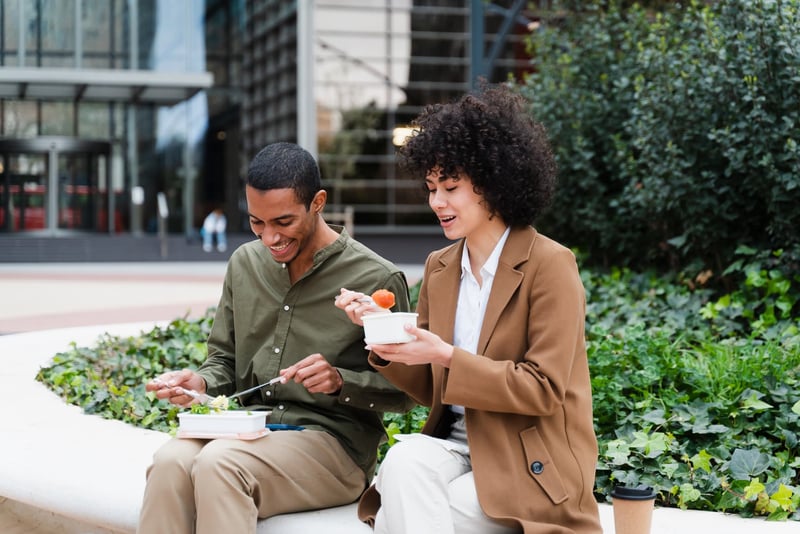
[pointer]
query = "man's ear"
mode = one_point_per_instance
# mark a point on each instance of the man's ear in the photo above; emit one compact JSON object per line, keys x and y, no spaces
{"x":319,"y":200}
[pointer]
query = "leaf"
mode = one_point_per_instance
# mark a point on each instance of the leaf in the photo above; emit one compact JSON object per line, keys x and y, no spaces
{"x":618,"y":452}
{"x":744,"y":250}
{"x":652,"y":445}
{"x":756,"y":404}
{"x":711,"y":429}
{"x":678,"y":241}
{"x":668,"y":469}
{"x":688,"y":493}
{"x":702,"y":460}
{"x":752,"y":490}
{"x":746,"y":464}
{"x":796,"y":408}
{"x":783,"y":498}
{"x":753,"y":402}
{"x":655,"y":416}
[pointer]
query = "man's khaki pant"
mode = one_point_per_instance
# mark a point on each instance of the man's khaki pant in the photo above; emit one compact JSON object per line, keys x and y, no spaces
{"x":225,"y":485}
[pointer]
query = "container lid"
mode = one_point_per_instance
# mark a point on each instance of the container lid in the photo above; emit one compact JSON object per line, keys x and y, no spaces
{"x":639,"y":493}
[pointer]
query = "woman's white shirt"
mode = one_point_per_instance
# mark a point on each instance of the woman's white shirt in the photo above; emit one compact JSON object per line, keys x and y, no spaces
{"x":472,"y":300}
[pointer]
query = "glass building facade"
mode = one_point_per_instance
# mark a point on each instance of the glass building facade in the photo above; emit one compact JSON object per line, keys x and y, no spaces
{"x":116,"y":112}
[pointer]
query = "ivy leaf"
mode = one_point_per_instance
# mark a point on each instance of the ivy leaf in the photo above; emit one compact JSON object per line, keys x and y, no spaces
{"x":688,"y":493}
{"x":746,"y":464}
{"x":702,"y":460}
{"x":752,"y":402}
{"x":652,"y":445}
{"x":668,"y":469}
{"x":711,"y":429}
{"x":753,"y":489}
{"x":618,"y":452}
{"x":655,"y":416}
{"x":783,"y":498}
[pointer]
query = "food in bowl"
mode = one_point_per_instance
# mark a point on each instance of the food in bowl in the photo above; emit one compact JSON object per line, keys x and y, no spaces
{"x":382,"y":328}
{"x":383,"y":298}
{"x":219,"y":403}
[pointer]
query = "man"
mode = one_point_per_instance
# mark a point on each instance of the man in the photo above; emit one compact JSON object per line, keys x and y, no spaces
{"x":276,"y":317}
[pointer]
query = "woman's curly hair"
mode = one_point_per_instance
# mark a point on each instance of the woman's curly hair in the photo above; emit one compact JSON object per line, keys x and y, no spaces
{"x":491,"y":138}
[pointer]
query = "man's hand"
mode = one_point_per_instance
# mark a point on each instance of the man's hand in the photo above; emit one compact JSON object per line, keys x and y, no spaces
{"x":171,"y":384}
{"x":315,"y":374}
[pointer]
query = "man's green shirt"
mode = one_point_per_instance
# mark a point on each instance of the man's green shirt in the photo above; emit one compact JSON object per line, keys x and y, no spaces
{"x":264,"y":324}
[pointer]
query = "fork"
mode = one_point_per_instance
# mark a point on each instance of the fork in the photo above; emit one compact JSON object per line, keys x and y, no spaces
{"x":366,"y":299}
{"x":203,"y":397}
{"x":254,"y":388}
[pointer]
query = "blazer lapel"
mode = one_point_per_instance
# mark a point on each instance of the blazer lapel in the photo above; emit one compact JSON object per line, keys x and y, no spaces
{"x":443,"y":284}
{"x":518,"y":249}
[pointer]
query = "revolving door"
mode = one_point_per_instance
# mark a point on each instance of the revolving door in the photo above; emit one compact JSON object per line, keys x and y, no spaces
{"x":56,"y":185}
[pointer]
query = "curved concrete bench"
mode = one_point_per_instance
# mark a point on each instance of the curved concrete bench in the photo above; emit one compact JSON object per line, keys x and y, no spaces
{"x":67,"y":472}
{"x":64,"y":471}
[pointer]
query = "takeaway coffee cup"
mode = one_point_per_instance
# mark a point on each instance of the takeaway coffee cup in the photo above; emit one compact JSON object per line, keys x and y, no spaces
{"x":633,"y":509}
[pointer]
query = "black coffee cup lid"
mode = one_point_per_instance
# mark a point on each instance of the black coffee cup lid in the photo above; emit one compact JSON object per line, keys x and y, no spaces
{"x":639,"y":493}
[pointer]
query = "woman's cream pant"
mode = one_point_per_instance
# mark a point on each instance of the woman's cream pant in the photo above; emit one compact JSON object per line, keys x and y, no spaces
{"x":426,"y":486}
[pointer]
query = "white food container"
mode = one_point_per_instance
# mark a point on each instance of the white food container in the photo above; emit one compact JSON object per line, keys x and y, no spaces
{"x":228,"y":422}
{"x":385,"y":327}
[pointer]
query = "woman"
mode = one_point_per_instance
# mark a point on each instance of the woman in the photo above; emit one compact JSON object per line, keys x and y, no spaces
{"x":499,"y":354}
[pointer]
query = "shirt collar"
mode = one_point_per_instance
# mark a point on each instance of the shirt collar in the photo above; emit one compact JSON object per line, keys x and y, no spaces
{"x":334,"y":248}
{"x":490,"y":266}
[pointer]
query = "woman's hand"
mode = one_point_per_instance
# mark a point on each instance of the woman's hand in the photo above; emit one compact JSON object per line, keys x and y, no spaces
{"x":355,"y":305}
{"x":426,"y":348}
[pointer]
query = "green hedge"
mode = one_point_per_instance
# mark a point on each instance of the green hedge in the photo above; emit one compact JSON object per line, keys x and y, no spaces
{"x":676,"y":132}
{"x":697,"y":394}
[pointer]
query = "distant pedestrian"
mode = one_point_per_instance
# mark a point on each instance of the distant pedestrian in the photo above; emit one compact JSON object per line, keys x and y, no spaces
{"x":213,"y":228}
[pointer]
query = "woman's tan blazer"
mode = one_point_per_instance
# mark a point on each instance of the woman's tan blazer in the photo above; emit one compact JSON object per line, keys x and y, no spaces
{"x":527,"y":394}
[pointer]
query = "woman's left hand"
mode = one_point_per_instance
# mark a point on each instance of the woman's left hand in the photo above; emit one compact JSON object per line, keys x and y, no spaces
{"x":426,"y":348}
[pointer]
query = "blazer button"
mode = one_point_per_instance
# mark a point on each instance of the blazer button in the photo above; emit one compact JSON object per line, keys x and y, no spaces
{"x":537,"y":468}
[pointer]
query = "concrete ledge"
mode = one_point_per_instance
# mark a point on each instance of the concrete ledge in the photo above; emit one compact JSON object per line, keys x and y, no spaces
{"x":67,"y":472}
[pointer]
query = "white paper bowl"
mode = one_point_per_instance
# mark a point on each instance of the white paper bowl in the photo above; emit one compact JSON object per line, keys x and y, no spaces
{"x":228,"y":422}
{"x":385,"y":328}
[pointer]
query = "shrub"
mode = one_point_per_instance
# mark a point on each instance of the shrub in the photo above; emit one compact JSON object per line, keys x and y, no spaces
{"x":705,"y":408}
{"x":676,"y":133}
{"x":705,"y":412}
{"x":108,"y":379}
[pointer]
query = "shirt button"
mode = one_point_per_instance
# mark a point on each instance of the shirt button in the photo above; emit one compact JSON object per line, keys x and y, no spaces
{"x":347,"y":399}
{"x":280,"y":406}
{"x":371,"y":404}
{"x":286,"y":308}
{"x":268,"y":393}
{"x":537,"y":468}
{"x":277,"y":350}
